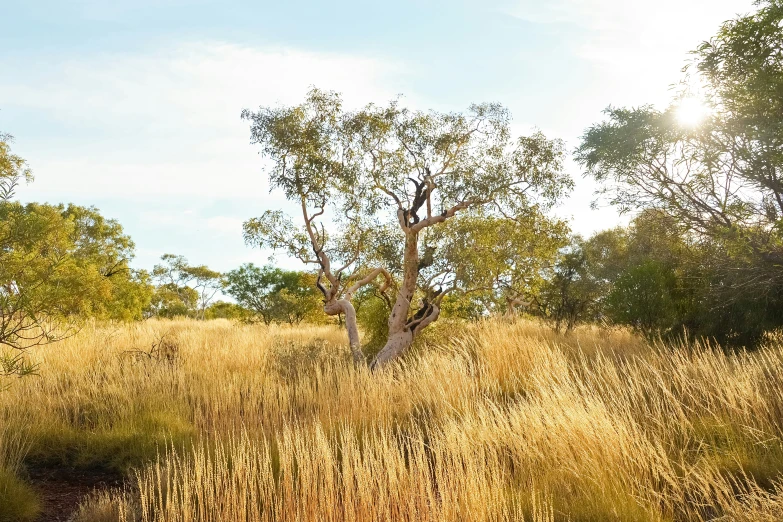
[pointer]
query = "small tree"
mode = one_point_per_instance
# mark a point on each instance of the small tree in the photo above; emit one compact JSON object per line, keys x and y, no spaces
{"x":273,"y":294}
{"x":389,"y":178}
{"x":507,"y":259}
{"x":571,"y":292}
{"x":55,"y":270}
{"x":194,"y":286}
{"x":225,"y":310}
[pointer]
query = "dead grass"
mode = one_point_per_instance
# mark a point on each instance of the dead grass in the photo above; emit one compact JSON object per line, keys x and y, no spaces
{"x":499,"y":421}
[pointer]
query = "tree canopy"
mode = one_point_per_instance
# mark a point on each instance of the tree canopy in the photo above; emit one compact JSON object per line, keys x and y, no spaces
{"x":183,"y":287}
{"x":273,"y":294}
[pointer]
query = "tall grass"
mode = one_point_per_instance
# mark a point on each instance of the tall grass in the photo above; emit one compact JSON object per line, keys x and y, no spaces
{"x":495,"y":421}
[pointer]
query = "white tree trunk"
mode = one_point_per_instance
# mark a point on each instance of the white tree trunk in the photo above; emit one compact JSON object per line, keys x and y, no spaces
{"x":345,"y":307}
{"x":394,"y":347}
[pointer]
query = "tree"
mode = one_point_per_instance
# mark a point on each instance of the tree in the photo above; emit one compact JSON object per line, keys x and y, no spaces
{"x":52,"y":274}
{"x":273,"y":294}
{"x":184,"y":287}
{"x":645,"y":268}
{"x":58,"y":265}
{"x":571,"y":292}
{"x":102,"y":243}
{"x":297,"y":298}
{"x":389,"y":178}
{"x":225,"y":310}
{"x":170,"y":301}
{"x":722,"y":179}
{"x":510,"y":256}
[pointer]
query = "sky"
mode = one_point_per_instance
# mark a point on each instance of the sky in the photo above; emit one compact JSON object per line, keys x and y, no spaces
{"x":133,"y":106}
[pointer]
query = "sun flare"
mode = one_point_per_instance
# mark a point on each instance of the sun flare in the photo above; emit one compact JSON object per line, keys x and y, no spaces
{"x":691,"y":111}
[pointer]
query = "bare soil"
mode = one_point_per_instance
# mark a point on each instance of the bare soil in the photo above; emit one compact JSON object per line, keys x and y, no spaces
{"x":62,"y":489}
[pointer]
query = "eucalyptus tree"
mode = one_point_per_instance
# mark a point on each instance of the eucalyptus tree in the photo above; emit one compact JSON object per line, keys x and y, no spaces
{"x":273,"y":294}
{"x":191,"y":285}
{"x":376,"y":187}
{"x":504,"y":259}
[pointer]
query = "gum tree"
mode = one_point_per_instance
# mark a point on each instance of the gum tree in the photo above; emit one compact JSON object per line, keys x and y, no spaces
{"x":377,"y":187}
{"x":191,"y":285}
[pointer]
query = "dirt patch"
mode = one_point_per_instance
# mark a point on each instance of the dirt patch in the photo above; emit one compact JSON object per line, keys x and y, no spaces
{"x":61,"y":489}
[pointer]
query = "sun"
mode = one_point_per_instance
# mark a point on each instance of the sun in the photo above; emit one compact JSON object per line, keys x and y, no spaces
{"x":691,"y":111}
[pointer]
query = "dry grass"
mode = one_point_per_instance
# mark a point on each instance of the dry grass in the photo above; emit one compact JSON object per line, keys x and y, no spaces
{"x":498,"y":422}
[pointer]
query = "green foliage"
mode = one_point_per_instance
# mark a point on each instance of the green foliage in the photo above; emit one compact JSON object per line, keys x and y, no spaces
{"x":500,"y":260}
{"x":15,"y":363}
{"x":225,"y":310}
{"x":273,"y":294}
{"x":183,"y":289}
{"x":572,"y":291}
{"x":59,"y":265}
{"x":719,"y":181}
{"x":644,"y":296}
{"x":13,"y":169}
{"x":170,"y":301}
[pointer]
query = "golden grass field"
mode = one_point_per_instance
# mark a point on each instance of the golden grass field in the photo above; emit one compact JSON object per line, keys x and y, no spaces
{"x":494,"y":421}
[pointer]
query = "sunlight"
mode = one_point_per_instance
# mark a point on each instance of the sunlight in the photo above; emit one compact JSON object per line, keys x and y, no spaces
{"x":691,"y":111}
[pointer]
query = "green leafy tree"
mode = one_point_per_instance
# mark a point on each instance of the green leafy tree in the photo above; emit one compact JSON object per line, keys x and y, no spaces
{"x":385,"y":178}
{"x":52,"y":275}
{"x":504,"y":259}
{"x":644,"y":296}
{"x":103,"y":243}
{"x":721,"y":179}
{"x":184,"y":289}
{"x":571,"y":293}
{"x":58,"y":265}
{"x":170,"y":301}
{"x":226,"y":310}
{"x":273,"y":294}
{"x":297,"y":298}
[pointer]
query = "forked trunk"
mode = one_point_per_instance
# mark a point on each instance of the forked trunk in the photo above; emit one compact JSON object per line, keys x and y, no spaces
{"x":400,"y":336}
{"x":403,"y":329}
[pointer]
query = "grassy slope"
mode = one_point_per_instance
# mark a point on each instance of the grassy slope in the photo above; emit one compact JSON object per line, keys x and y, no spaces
{"x":495,"y":421}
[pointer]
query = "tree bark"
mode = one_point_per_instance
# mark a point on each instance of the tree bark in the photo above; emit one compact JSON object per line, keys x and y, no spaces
{"x":400,"y":335}
{"x":512,"y":303}
{"x":344,"y":306}
{"x":395,"y":346}
{"x":399,"y":342}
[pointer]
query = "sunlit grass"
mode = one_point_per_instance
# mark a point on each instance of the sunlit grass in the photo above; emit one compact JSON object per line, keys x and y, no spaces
{"x":496,"y":421}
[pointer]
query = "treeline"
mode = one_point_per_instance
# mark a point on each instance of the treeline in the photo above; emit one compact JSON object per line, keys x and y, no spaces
{"x":662,"y":280}
{"x":261,"y":294}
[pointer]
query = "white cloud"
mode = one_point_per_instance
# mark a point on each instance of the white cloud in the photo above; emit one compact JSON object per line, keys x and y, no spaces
{"x":167,"y":123}
{"x":634,"y":43}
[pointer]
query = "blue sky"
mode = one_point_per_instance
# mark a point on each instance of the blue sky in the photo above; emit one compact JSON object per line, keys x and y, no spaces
{"x":133,"y":106}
